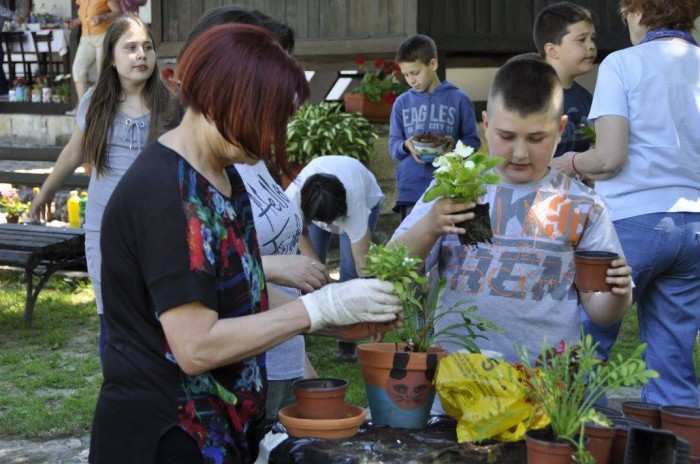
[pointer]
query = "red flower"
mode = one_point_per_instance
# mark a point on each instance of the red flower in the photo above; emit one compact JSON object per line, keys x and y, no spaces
{"x":167,"y":74}
{"x":378,"y":63}
{"x":360,"y":61}
{"x":389,"y":98}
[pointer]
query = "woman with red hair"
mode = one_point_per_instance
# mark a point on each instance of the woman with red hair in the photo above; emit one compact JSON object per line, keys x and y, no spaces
{"x":185,"y":297}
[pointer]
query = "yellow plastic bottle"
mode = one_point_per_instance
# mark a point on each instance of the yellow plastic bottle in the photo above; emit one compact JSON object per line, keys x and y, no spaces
{"x":74,"y":209}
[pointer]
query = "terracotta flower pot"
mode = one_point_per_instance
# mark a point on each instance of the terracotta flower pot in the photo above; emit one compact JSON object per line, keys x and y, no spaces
{"x":542,"y":449}
{"x":622,"y":426}
{"x":600,"y":439}
{"x":321,"y":398}
{"x":333,"y":429}
{"x":591,"y":270}
{"x":399,"y":384}
{"x":645,"y":412}
{"x":374,"y":112}
{"x":685,"y":423}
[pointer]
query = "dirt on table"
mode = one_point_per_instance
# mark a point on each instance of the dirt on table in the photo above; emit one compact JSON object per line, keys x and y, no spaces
{"x":436,"y":444}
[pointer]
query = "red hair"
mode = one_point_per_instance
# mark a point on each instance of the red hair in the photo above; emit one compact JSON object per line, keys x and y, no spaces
{"x":242,"y":81}
{"x":674,"y":14}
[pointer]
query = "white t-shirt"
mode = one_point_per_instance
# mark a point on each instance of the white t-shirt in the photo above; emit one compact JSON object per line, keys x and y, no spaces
{"x":655,"y":86}
{"x":361,"y":189}
{"x":278,"y":228}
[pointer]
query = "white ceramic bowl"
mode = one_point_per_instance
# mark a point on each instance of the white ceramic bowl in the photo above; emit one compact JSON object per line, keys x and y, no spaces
{"x":427,"y":150}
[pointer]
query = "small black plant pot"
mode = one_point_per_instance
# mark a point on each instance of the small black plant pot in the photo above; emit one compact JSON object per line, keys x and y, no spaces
{"x":478,"y":229}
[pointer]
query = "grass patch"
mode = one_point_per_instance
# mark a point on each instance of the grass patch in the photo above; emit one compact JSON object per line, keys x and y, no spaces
{"x":50,"y":373}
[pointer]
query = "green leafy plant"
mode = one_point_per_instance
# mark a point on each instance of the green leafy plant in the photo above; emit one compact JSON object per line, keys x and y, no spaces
{"x":586,"y":131}
{"x":11,"y":204}
{"x":41,"y":82}
{"x":384,"y":82}
{"x":567,"y":381}
{"x":462,"y":174}
{"x":420,"y":304}
{"x":323,"y":129}
{"x":62,"y":86}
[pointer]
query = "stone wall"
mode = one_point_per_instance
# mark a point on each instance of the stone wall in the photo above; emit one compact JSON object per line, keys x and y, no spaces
{"x":35,"y":129}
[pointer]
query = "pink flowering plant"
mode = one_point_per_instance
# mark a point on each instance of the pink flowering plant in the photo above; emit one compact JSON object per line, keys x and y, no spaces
{"x":384,"y":82}
{"x":566,"y":381}
{"x":11,"y":204}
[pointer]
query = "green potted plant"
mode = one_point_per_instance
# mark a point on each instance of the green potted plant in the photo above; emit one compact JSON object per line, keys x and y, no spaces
{"x":399,"y":376}
{"x":62,"y":88}
{"x":462,"y":174}
{"x":324,"y":129}
{"x":377,"y":91}
{"x":12,"y":206}
{"x":565,"y":383}
{"x":39,"y":84}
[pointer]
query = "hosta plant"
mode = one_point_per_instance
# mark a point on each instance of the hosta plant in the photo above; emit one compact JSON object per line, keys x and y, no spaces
{"x":420,"y":305}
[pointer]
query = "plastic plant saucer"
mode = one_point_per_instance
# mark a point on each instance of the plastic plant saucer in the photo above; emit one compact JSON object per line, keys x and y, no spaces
{"x":322,"y":428}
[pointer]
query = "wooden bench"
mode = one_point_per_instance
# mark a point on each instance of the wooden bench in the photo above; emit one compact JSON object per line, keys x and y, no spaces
{"x":40,"y":251}
{"x":47,"y":154}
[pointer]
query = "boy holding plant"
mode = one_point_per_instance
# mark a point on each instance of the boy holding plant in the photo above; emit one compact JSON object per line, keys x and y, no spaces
{"x":523,"y":281}
{"x":430,"y":106}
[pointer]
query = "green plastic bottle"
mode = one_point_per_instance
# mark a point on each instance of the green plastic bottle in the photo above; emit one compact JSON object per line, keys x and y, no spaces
{"x":73,"y":204}
{"x":83,"y":204}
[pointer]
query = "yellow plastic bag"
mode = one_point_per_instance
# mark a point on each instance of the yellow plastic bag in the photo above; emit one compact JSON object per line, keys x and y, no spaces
{"x":484,"y":396}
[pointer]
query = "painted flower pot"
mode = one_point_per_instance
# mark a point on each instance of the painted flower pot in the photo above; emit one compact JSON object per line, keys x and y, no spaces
{"x":591,"y":270}
{"x":645,"y":412}
{"x":399,"y":384}
{"x":321,"y":398}
{"x":600,"y":440}
{"x":685,"y":423}
{"x":543,"y":449}
{"x":374,"y":112}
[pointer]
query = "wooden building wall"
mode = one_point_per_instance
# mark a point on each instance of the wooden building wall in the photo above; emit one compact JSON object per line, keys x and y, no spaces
{"x":338,"y":29}
{"x":500,"y":28}
{"x":323,"y":27}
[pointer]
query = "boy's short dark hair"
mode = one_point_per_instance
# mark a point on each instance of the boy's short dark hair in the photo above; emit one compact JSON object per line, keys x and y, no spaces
{"x":526,"y":86}
{"x":417,"y":47}
{"x":323,"y":198}
{"x":553,"y":21}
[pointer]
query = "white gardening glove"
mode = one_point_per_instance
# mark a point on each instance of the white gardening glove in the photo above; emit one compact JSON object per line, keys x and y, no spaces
{"x":358,"y":300}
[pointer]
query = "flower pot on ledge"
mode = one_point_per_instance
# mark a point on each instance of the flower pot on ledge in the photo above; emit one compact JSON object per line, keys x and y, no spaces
{"x":374,"y":112}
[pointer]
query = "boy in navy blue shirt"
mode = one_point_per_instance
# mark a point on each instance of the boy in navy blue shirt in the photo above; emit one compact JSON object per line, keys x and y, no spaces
{"x":564,"y":36}
{"x":430,"y":106}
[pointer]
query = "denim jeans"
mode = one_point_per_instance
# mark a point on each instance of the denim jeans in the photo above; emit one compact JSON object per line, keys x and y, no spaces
{"x":663,"y":250}
{"x":321,"y":239}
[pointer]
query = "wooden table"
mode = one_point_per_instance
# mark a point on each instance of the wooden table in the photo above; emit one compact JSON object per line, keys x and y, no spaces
{"x":40,"y":251}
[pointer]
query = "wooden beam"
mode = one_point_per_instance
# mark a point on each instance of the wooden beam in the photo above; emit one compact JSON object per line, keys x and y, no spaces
{"x":49,"y":153}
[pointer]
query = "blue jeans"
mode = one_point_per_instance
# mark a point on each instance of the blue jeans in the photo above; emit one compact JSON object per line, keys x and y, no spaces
{"x":663,"y":250}
{"x":321,"y":240}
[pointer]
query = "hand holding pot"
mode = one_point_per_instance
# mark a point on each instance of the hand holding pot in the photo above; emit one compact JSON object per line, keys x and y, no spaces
{"x":446,"y":212}
{"x":358,"y":300}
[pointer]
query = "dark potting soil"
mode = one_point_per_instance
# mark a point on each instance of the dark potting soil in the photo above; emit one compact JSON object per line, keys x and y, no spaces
{"x":478,"y":229}
{"x":435,"y":444}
